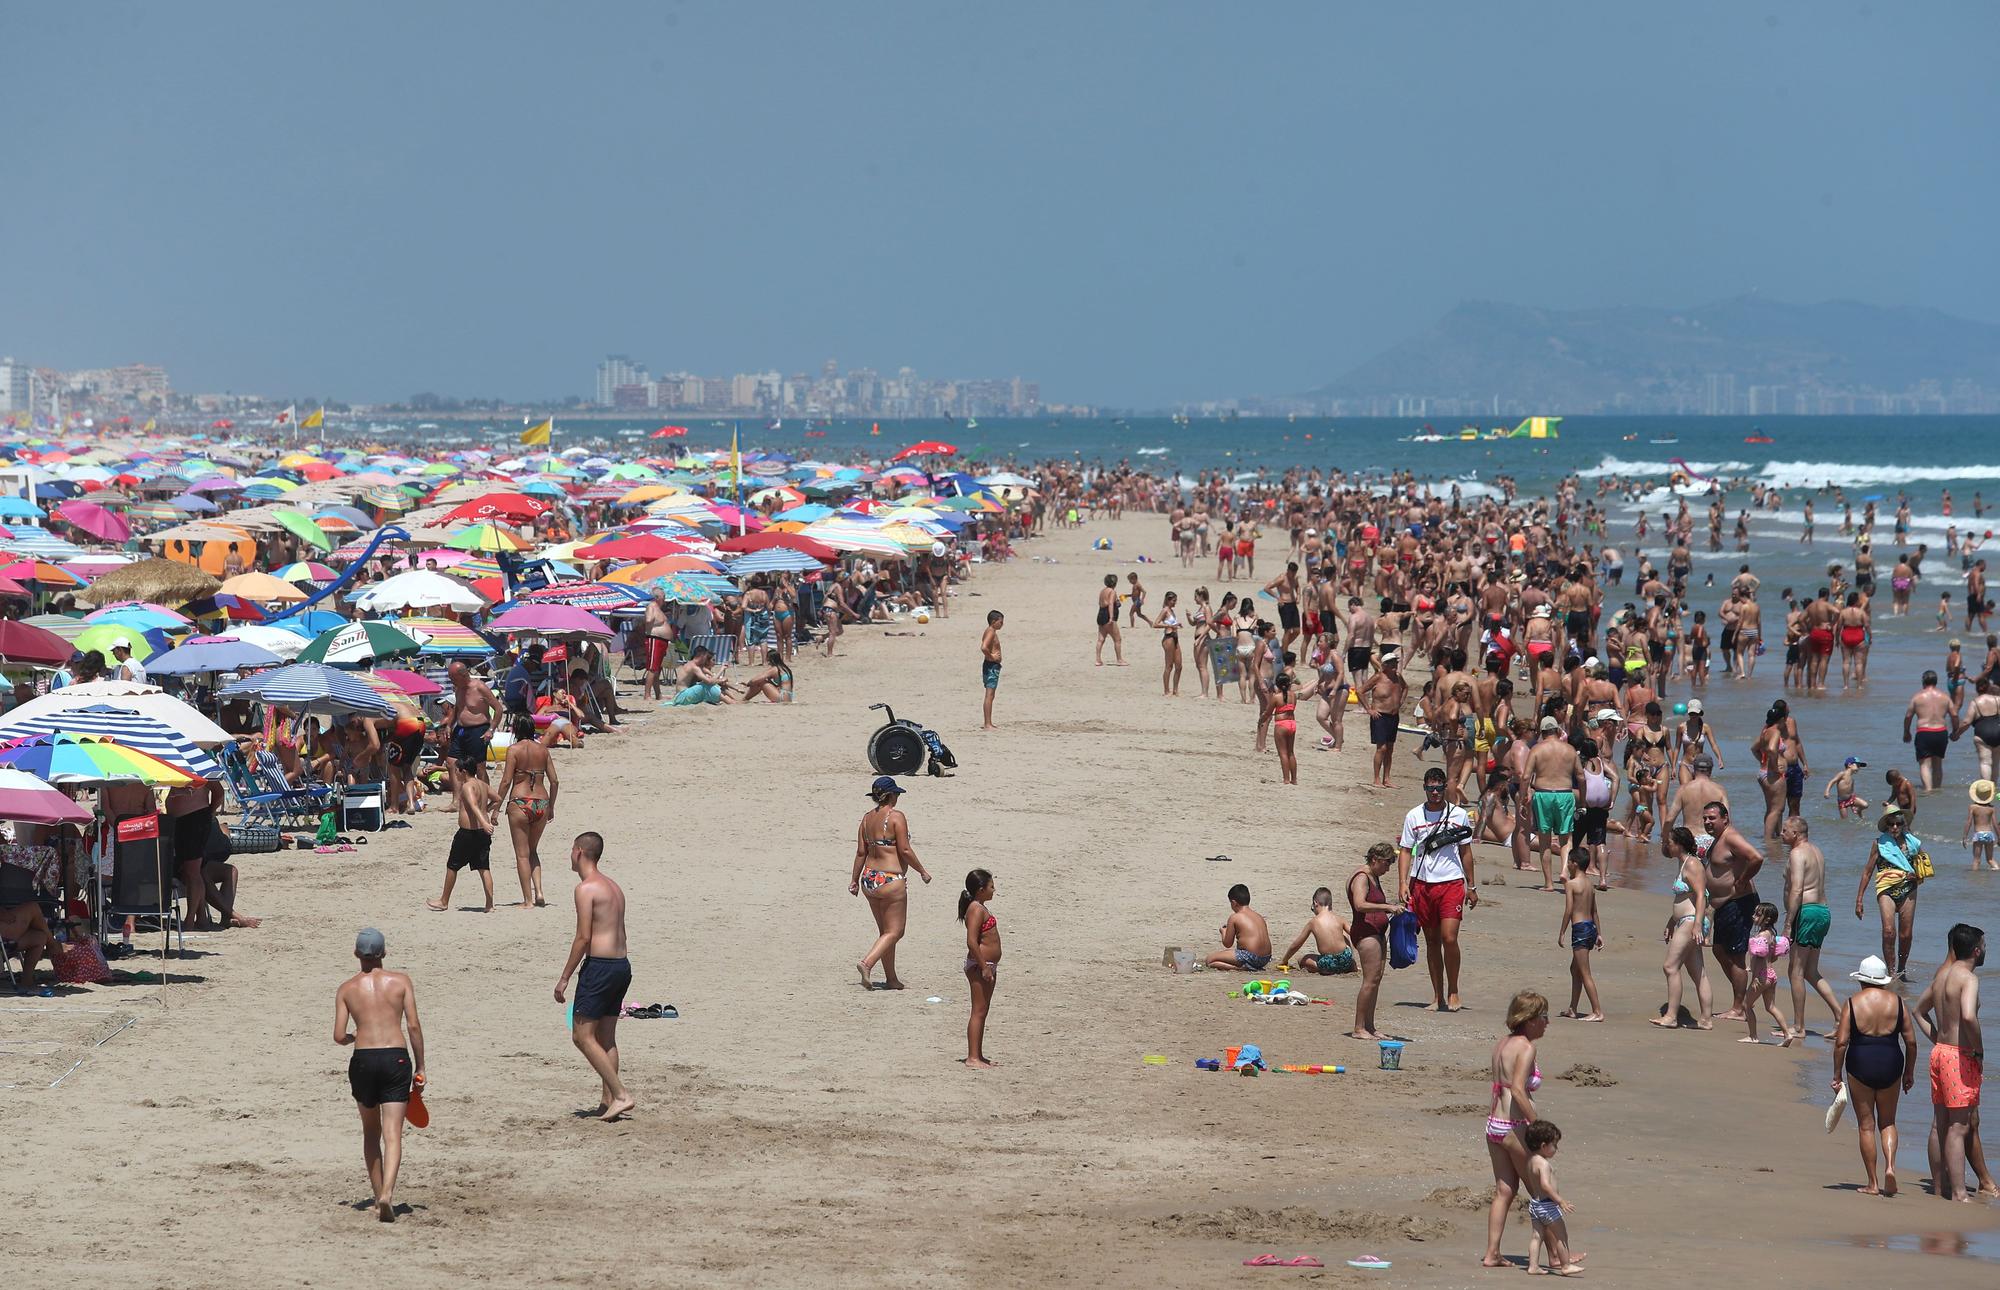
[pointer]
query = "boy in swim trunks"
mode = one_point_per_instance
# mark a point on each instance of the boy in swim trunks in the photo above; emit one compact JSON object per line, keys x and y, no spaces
{"x":1843,"y":782}
{"x":1579,"y":920}
{"x":989,"y":661}
{"x":1328,"y":931}
{"x":1246,"y":937}
{"x":472,"y":845}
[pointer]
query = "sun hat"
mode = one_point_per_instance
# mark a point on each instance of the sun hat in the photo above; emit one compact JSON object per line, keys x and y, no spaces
{"x":1695,"y":707}
{"x":121,"y":643}
{"x":885,"y":784}
{"x":1606,"y":714}
{"x":1542,"y":611}
{"x":1982,"y":791}
{"x":1892,"y":813}
{"x":1873,"y":971}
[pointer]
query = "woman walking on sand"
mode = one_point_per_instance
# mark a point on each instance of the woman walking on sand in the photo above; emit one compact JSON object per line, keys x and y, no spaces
{"x":528,"y":785}
{"x":1875,"y":1055}
{"x":1516,"y":1077}
{"x":1687,"y":929}
{"x":982,"y":961}
{"x":883,"y":859}
{"x":1285,"y":727}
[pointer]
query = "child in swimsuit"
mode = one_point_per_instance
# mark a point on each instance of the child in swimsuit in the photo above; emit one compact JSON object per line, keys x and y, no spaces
{"x":982,"y":960}
{"x":1766,"y":947}
{"x":1545,"y":1207}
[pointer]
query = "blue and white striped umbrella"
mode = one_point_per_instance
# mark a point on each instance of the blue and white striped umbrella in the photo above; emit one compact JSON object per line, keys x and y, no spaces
{"x":311,"y":687}
{"x":38,"y":543}
{"x":128,"y":728}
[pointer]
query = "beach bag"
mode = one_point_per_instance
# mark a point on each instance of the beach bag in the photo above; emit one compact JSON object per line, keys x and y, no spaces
{"x":81,"y":962}
{"x":1921,"y":865}
{"x":1402,"y":940}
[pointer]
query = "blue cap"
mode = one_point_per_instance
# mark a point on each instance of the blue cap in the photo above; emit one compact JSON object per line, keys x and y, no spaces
{"x":1855,"y":761}
{"x":885,"y":784}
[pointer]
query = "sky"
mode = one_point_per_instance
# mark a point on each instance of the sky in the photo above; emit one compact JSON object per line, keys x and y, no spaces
{"x":1134,"y":204}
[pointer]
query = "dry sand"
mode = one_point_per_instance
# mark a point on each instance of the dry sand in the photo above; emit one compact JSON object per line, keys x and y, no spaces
{"x":794,"y":1130}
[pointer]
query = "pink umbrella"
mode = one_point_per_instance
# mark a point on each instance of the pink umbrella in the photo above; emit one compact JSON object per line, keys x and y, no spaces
{"x":550,"y":620}
{"x":24,"y":797}
{"x":414,"y":684}
{"x":93,"y":519}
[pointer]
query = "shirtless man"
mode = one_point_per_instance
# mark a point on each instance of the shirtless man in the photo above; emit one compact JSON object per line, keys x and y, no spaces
{"x":472,"y":845}
{"x":599,"y":946}
{"x":1749,"y":634}
{"x":1382,"y":700}
{"x":1555,"y":777}
{"x":473,"y":712}
{"x":1948,"y":1014}
{"x":1732,"y":893}
{"x":380,"y":1004}
{"x":657,"y":630}
{"x":1329,"y":933}
{"x":1807,"y":917}
{"x":1930,"y":710}
{"x":1360,"y":639}
{"x":1286,"y":588}
{"x":1819,"y":621}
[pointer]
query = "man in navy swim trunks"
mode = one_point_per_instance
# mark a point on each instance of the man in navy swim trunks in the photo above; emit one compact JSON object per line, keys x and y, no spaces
{"x":599,"y":948}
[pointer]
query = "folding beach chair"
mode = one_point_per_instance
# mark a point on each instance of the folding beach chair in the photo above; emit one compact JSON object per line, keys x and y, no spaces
{"x":259,"y":804}
{"x":141,"y":886}
{"x":301,"y":804}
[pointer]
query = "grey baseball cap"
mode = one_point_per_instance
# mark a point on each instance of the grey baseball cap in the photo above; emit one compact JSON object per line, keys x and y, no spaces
{"x":369,"y":943}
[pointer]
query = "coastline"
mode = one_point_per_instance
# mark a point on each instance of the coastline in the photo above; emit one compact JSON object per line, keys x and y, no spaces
{"x":793,"y":1129}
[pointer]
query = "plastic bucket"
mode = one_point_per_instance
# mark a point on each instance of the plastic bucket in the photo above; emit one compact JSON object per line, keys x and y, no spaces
{"x":1229,"y":1057}
{"x":1392,"y":1055}
{"x":1183,"y":961}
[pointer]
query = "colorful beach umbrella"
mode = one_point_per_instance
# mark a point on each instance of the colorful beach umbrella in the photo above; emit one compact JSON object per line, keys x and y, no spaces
{"x":101,"y":637}
{"x":131,"y":730}
{"x":550,"y":620}
{"x":262,"y":588}
{"x":488,"y":537}
{"x":23,"y":797}
{"x":70,"y":759}
{"x":311,"y":687}
{"x":208,"y":654}
{"x":91,"y":518}
{"x":23,"y":644}
{"x":680,"y":590}
{"x":442,"y":636}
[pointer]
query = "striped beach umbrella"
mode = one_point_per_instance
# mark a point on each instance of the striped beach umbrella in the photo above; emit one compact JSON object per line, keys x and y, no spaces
{"x":131,"y":729}
{"x":71,"y":759}
{"x":311,"y":687}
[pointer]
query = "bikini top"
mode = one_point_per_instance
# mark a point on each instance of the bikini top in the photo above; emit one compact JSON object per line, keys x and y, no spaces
{"x":988,"y":925}
{"x":1534,"y":1080}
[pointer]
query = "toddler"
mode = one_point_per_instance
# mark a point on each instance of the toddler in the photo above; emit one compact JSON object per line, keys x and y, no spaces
{"x":1545,"y":1207}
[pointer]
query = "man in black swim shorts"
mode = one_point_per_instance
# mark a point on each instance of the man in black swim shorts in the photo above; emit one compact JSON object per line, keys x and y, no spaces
{"x":379,"y":1004}
{"x":599,"y":949}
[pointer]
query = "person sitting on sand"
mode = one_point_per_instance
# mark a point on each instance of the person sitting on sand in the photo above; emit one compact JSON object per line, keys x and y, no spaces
{"x":701,"y":681}
{"x":773,"y":681}
{"x":1246,"y":937}
{"x":1328,"y":931}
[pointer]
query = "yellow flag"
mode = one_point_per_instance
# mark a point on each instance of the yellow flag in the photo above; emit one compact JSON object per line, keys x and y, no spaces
{"x":735,"y":458}
{"x":150,"y":423}
{"x":314,"y":421}
{"x":539,"y":432}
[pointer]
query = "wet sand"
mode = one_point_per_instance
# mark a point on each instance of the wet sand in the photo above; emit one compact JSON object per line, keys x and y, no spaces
{"x":793,"y":1129}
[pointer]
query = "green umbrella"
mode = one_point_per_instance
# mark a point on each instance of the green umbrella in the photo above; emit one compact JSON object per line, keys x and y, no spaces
{"x":301,"y":525}
{"x":354,"y":644}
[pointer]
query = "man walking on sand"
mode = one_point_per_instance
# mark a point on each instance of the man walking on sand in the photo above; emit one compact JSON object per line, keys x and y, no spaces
{"x":1808,"y":917}
{"x":989,"y":665}
{"x":1732,"y":894}
{"x":599,"y":947}
{"x":1436,"y":880}
{"x":1957,"y":1065}
{"x":1555,"y":773}
{"x":380,"y":1004}
{"x":1382,"y":700}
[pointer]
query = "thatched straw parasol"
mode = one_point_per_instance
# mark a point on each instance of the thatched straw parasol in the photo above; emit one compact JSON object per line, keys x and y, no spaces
{"x":167,"y":582}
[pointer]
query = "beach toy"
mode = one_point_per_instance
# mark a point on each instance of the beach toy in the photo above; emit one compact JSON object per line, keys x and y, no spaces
{"x":1392,"y":1054}
{"x":1229,"y":1056}
{"x":1680,"y":709}
{"x":417,"y":1115}
{"x":1208,"y":1063}
{"x":1314,"y":1070}
{"x":1183,"y":961}
{"x":1353,"y":695}
{"x":1153,"y":1059}
{"x":923,"y":615}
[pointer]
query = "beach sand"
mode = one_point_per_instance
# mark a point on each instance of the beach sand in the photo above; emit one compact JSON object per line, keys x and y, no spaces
{"x":795,"y":1130}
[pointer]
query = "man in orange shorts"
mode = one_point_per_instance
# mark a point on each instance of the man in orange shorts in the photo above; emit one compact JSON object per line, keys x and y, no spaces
{"x":1948,"y":1014}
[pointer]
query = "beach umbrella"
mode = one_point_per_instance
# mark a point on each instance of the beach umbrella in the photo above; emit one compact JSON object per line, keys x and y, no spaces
{"x":146,"y":613}
{"x":788,"y":541}
{"x":305,"y":571}
{"x":353,"y":517}
{"x":498,"y":506}
{"x":487,"y":537}
{"x":41,"y":573}
{"x":550,"y":620}
{"x":223,"y":605}
{"x":91,"y":518}
{"x":23,"y":797}
{"x":21,"y":643}
{"x":389,"y":691}
{"x":1008,"y":479}
{"x":166,"y":581}
{"x":638,"y":575}
{"x":181,"y":504}
{"x":311,"y":687}
{"x":286,"y":645}
{"x":680,"y":590}
{"x":19,"y":508}
{"x":805,"y":513}
{"x":69,"y":759}
{"x":262,"y":588}
{"x":928,"y":448}
{"x":595,"y":596}
{"x":132,"y":696}
{"x":355,"y":644}
{"x":643,"y":493}
{"x":418,"y":589}
{"x":204,"y":654}
{"x":443,"y":636}
{"x":58,"y":625}
{"x":132,"y":730}
{"x":309,"y":623}
{"x":301,"y":526}
{"x":414,"y":684}
{"x":773,"y":560}
{"x":668,"y":432}
{"x":633,"y":546}
{"x":101,"y":637}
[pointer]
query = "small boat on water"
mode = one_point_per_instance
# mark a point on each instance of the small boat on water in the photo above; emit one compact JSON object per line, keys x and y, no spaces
{"x":1758,"y":438}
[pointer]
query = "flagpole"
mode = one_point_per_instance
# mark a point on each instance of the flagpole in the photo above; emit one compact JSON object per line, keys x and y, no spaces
{"x":736,"y":468}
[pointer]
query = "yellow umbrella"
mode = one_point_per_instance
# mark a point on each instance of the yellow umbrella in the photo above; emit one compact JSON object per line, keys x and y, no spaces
{"x":649,"y":493}
{"x":262,"y":588}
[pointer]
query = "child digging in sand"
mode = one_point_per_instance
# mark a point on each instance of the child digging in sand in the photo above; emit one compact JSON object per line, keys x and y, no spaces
{"x":1329,"y":935}
{"x":1760,"y":969}
{"x":1580,"y":921}
{"x":1545,"y":1207}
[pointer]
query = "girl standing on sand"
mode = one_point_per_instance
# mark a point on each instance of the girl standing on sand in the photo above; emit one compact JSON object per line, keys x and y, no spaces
{"x":1285,"y":726}
{"x":982,"y":961}
{"x":1516,"y":1077}
{"x":1766,"y":948}
{"x":1198,"y":618}
{"x":1169,"y":625}
{"x":883,"y":858}
{"x":1687,"y":929}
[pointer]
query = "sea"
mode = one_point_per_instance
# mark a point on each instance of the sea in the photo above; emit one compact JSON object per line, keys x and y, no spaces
{"x":1886,"y":460}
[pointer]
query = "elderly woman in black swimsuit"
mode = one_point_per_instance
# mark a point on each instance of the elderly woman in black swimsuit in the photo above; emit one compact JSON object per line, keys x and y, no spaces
{"x":883,"y":859}
{"x":1875,"y":1054}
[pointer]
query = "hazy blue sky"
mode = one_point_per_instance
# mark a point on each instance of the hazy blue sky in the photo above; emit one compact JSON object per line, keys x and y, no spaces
{"x":1134,"y":203}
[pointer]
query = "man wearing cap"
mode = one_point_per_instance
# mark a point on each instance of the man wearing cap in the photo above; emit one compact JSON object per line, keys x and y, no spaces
{"x":1808,"y":917}
{"x":1732,"y":893}
{"x":380,"y":1004}
{"x":1435,"y":881}
{"x":124,"y":666}
{"x":1382,"y":700}
{"x":1555,"y":776}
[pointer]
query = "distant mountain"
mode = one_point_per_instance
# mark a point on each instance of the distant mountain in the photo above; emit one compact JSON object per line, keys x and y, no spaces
{"x":1590,"y":359}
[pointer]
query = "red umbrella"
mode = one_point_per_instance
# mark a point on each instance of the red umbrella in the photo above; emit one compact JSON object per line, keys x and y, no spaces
{"x":668,"y":432}
{"x":511,"y":506}
{"x":20,"y":643}
{"x":789,"y":541}
{"x":636,"y":546}
{"x":928,"y":448}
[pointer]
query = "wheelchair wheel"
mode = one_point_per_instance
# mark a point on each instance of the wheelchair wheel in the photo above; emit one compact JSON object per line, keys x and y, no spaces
{"x":896,"y":750}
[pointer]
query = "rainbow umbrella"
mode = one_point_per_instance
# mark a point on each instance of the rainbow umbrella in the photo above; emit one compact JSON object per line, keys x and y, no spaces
{"x":443,"y":636}
{"x":488,"y":537}
{"x":305,"y":571}
{"x":70,"y":759}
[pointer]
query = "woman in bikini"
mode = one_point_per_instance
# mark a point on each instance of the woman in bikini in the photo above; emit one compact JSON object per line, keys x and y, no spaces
{"x":528,"y":785}
{"x":1516,"y":1077}
{"x":883,"y":860}
{"x":1285,"y":727}
{"x":982,"y":961}
{"x":1687,"y":929}
{"x":773,"y":681}
{"x":1169,"y":625}
{"x":1198,"y":618}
